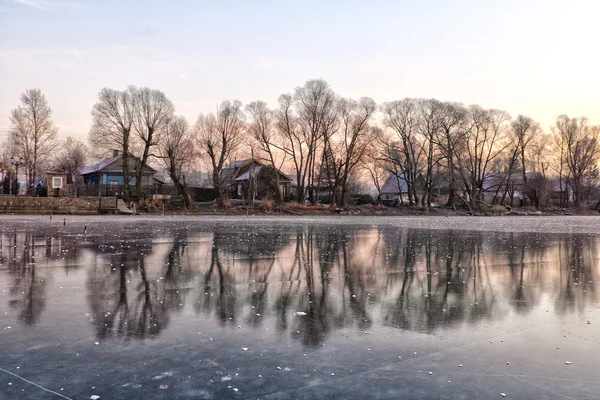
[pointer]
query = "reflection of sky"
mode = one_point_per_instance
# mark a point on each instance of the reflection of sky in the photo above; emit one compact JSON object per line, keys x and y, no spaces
{"x":342,"y":277}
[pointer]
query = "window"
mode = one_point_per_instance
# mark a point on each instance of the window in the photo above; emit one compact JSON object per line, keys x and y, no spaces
{"x":57,"y":182}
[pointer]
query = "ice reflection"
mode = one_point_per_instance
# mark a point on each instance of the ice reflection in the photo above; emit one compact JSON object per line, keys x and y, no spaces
{"x":302,"y":280}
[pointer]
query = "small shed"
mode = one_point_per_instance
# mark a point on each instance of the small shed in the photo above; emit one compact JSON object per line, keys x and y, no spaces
{"x":56,"y":181}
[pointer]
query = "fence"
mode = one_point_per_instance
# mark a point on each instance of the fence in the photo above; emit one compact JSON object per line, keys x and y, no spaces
{"x":117,"y":190}
{"x":89,"y":190}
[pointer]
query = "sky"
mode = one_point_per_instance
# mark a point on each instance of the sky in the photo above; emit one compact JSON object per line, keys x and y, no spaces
{"x":538,"y":58}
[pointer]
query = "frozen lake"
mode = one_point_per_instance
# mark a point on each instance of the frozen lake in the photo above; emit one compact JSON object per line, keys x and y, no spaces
{"x":300,"y":307}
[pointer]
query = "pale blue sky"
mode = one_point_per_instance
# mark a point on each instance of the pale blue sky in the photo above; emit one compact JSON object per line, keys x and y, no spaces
{"x":539,"y":58}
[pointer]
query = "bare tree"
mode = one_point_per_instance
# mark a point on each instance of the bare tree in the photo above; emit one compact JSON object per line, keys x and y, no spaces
{"x":375,"y":162}
{"x":218,"y":136}
{"x":430,"y":124}
{"x":262,"y":128}
{"x":524,"y":130}
{"x":580,"y":151}
{"x":346,"y":148}
{"x":292,"y":142}
{"x":73,"y":155}
{"x":404,"y":151}
{"x":314,"y":102}
{"x":152,"y":113}
{"x":177,"y":153}
{"x":32,"y":132}
{"x":451,"y":134}
{"x":112,"y":123}
{"x":5,"y":166}
{"x":485,"y":133}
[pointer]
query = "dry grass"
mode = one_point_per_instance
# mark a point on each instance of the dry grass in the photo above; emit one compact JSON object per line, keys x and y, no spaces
{"x":305,"y":208}
{"x":267,"y":205}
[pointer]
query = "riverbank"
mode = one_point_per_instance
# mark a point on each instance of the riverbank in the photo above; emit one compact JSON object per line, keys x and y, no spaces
{"x":48,"y":205}
{"x":22,"y":205}
{"x":373,"y":210}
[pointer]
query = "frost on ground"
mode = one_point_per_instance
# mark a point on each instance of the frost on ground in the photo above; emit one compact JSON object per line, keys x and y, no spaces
{"x":547,"y":224}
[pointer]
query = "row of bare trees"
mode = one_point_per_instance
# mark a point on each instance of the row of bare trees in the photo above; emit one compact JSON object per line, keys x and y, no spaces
{"x":33,"y":136}
{"x":321,"y":136}
{"x":447,"y":144}
{"x":327,"y":142}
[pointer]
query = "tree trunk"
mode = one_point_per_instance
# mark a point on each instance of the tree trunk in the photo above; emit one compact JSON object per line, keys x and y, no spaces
{"x":142,"y":165}
{"x":221,"y":195}
{"x":299,"y":188}
{"x":126,"y":186}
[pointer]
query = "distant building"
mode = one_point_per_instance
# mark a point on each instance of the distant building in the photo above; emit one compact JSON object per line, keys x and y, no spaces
{"x":395,"y":190}
{"x":110,"y":171}
{"x":236,"y":177}
{"x":106,"y":177}
{"x":56,"y":181}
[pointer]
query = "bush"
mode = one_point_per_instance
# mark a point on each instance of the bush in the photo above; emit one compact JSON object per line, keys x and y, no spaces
{"x":267,"y":183}
{"x":8,"y":186}
{"x":266,"y":205}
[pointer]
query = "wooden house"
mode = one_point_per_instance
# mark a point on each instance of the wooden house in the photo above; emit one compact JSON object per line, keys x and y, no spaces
{"x":56,"y":181}
{"x":237,"y":176}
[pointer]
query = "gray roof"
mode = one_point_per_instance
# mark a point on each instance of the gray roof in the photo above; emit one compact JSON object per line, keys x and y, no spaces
{"x":113,"y":164}
{"x":246,"y":175}
{"x":229,"y":174}
{"x":160,"y":177}
{"x":391,"y":184}
{"x":239,"y":163}
{"x":100,"y":166}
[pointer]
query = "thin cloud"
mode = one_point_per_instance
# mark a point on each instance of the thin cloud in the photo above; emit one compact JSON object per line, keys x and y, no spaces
{"x":46,"y":5}
{"x":39,"y":4}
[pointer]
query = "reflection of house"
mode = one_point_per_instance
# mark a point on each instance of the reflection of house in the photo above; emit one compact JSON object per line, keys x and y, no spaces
{"x":56,"y":181}
{"x":110,"y":171}
{"x":237,"y":177}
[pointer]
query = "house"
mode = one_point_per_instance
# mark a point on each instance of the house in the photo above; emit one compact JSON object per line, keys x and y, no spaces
{"x":495,"y":185}
{"x":395,"y":190}
{"x":57,"y":180}
{"x":321,"y":189}
{"x":237,"y":177}
{"x":106,"y":177}
{"x":110,"y":171}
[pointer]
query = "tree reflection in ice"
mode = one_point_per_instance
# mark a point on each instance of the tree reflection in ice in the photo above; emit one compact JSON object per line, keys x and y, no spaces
{"x":304,"y":280}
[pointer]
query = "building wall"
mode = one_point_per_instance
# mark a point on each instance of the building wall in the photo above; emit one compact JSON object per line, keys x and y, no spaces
{"x":115,"y":178}
{"x":58,"y":190}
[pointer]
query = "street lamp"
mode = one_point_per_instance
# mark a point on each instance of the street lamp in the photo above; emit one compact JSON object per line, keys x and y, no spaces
{"x":17,"y":162}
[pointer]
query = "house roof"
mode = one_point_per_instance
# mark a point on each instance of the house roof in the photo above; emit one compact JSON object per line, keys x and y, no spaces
{"x":100,"y":166}
{"x":391,"y":184}
{"x":239,"y":163}
{"x":207,"y":184}
{"x":159,"y":177}
{"x":492,"y":182}
{"x":115,"y":164}
{"x":57,"y":171}
{"x":239,"y":171}
{"x":246,"y":175}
